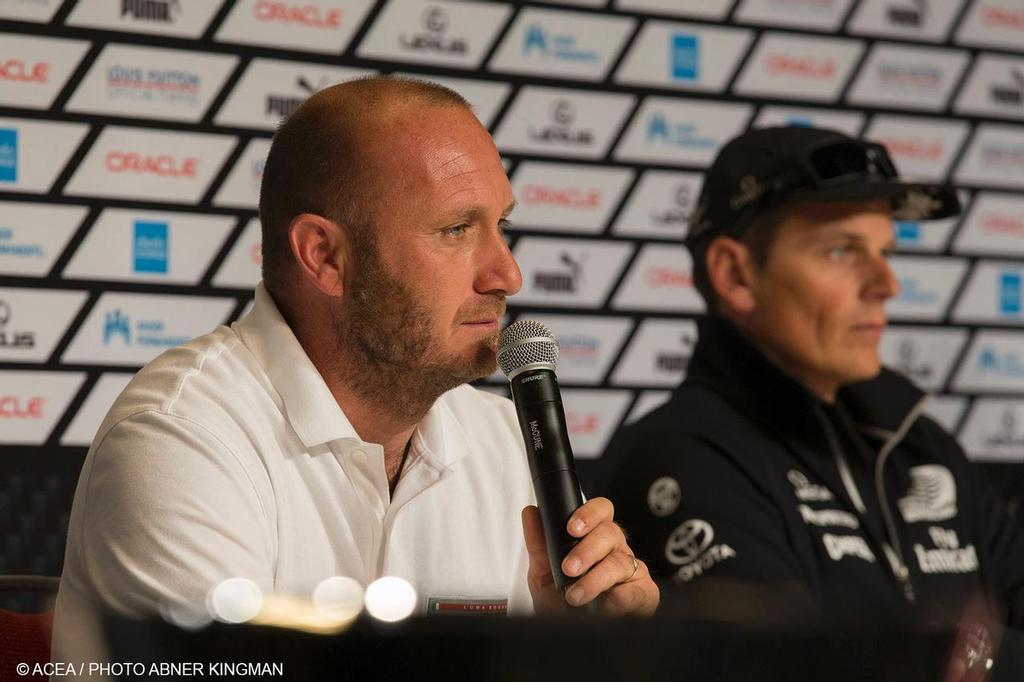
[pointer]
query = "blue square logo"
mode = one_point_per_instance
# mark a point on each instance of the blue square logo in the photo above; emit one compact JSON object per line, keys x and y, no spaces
{"x":908,"y":232}
{"x":151,"y":247}
{"x":8,"y":155}
{"x":685,"y":57}
{"x":1010,"y":292}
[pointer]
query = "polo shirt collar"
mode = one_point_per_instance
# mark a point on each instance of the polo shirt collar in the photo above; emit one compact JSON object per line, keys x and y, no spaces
{"x":308,"y":405}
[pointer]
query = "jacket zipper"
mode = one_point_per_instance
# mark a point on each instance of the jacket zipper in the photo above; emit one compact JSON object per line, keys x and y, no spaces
{"x":893,"y":553}
{"x":883,"y":500}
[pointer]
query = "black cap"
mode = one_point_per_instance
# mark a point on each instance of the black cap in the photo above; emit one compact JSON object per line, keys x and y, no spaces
{"x":765,"y":168}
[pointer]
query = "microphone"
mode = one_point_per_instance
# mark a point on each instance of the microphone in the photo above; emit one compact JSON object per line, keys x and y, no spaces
{"x":527,"y":354}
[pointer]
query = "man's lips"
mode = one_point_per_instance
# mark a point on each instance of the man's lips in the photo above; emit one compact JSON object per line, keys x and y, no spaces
{"x":483,"y":323}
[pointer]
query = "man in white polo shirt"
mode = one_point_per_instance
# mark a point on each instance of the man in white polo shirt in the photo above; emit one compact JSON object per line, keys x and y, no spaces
{"x":331,"y":431}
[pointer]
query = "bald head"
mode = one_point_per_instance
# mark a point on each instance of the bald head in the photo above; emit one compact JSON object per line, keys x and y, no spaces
{"x":324,"y":159}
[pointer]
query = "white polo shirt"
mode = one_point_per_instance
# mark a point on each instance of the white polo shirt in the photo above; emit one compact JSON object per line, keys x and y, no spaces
{"x":229,"y":457}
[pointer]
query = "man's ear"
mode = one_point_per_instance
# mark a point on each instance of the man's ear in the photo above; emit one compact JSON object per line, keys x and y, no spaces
{"x":322,"y":252}
{"x":731,"y":271}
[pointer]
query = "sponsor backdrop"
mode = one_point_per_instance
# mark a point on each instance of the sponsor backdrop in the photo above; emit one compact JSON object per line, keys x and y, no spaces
{"x":133,"y":134}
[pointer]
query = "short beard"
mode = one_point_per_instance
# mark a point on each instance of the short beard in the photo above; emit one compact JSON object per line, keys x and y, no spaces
{"x":384,"y":340}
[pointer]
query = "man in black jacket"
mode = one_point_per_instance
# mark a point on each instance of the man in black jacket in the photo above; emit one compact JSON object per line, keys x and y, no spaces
{"x":790,"y":476}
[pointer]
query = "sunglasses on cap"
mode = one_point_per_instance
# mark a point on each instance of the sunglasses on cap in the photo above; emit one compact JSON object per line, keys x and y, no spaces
{"x":833,"y":163}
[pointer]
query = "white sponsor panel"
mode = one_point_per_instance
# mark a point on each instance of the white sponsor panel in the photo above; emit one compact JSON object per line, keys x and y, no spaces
{"x":927,"y":286}
{"x":181,"y":18}
{"x":929,"y":235}
{"x":993,"y":23}
{"x":994,"y":363}
{"x":586,"y":345}
{"x":241,"y":269}
{"x":31,"y":403}
{"x":131,"y":329}
{"x":658,"y":354}
{"x":485,"y":96}
{"x":661,"y":279}
{"x":923,"y":355}
{"x":680,"y":131}
{"x":946,"y":410}
{"x":567,"y":198}
{"x":790,"y":66}
{"x":33,"y":153}
{"x":994,"y":430}
{"x":647,"y":403}
{"x":39,"y":11}
{"x":453,"y":34}
{"x":136,"y":163}
{"x":823,"y":15}
{"x":570,"y":273}
{"x":994,"y":293}
{"x":703,"y":9}
{"x":32,"y":236}
{"x":660,"y":206}
{"x":926,"y":20}
{"x":591,"y":417}
{"x":271,"y":89}
{"x":548,"y":42}
{"x":241,"y":189}
{"x":995,"y":157}
{"x":908,"y":77}
{"x":563,"y":123}
{"x":995,"y":87}
{"x":152,"y":82}
{"x":32,"y":321}
{"x":308,"y":25}
{"x":87,"y":420}
{"x":684,"y":56}
{"x":921,"y":148}
{"x":849,"y":122}
{"x":994,"y":225}
{"x":149,"y":246}
{"x":34,"y":69}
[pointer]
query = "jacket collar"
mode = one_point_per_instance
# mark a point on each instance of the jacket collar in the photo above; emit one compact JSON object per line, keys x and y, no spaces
{"x":726,"y":362}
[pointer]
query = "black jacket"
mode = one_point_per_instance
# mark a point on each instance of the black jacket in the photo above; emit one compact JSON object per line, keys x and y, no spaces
{"x":750,"y":497}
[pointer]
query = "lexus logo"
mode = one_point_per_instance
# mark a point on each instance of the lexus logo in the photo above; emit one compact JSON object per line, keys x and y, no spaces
{"x":563,"y":112}
{"x":435,"y":19}
{"x":689,"y":541}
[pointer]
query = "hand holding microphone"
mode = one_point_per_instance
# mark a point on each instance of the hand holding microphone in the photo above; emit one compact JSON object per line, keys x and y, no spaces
{"x":576,"y":549}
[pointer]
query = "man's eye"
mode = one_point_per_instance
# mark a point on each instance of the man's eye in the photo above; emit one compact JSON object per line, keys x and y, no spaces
{"x":456,"y":231}
{"x":839,"y":251}
{"x":504,"y":225}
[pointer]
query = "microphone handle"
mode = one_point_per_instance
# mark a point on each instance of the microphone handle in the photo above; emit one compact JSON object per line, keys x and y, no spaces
{"x":555,"y":484}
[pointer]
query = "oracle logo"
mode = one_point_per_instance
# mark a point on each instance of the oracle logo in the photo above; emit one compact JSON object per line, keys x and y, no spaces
{"x":994,"y":16}
{"x":661,"y":276}
{"x":310,"y":16}
{"x":808,"y":67}
{"x":582,"y":423}
{"x":14,"y":407}
{"x":924,"y":150}
{"x":18,"y":70}
{"x":995,"y":223}
{"x":164,"y":165}
{"x":568,"y":197}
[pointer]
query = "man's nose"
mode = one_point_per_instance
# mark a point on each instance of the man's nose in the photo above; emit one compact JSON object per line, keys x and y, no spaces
{"x":500,"y":273}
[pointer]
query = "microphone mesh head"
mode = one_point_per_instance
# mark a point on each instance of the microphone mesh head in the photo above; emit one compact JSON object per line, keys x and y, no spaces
{"x":526,"y":342}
